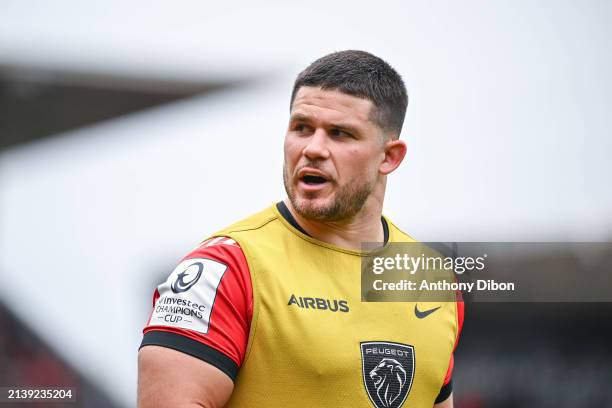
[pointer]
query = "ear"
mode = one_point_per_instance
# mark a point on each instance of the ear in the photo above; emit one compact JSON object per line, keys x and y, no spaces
{"x":395,"y":151}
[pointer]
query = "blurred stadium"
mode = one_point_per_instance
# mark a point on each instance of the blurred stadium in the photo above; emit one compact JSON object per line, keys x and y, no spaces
{"x":128,"y":132}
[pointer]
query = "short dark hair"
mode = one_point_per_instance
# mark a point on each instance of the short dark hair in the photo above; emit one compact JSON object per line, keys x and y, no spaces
{"x":361,"y":74}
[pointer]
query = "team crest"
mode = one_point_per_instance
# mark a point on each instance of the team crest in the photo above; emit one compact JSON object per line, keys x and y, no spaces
{"x":388,"y":371}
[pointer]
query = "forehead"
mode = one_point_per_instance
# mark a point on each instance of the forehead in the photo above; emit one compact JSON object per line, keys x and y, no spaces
{"x":330,"y":105}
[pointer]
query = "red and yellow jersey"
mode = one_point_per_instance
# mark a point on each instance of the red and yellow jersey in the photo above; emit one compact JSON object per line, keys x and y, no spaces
{"x":281,"y":313}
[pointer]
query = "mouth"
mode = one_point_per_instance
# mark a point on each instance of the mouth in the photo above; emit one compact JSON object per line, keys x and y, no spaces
{"x":311,"y":179}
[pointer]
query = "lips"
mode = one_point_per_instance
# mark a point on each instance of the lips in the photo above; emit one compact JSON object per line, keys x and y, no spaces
{"x":312,"y":177}
{"x":312,"y":181}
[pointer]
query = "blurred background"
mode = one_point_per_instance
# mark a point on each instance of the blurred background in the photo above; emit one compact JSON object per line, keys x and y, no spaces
{"x":130,"y":131}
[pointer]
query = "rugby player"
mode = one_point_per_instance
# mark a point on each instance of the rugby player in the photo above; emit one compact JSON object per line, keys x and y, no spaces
{"x":267,"y":312}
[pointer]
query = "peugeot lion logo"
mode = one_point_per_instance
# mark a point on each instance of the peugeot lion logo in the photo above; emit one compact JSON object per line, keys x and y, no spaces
{"x":187,"y":278}
{"x":388,"y":370}
{"x":389,"y":379}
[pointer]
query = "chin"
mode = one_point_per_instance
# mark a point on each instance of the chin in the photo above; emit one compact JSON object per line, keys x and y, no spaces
{"x":309,"y":205}
{"x":312,"y":204}
{"x":318,"y":210}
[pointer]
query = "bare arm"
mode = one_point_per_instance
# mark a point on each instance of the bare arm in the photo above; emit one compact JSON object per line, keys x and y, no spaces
{"x":447,"y":403}
{"x":169,"y":378}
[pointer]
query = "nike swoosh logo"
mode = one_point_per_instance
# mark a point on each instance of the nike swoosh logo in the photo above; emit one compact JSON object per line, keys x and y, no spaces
{"x":425,"y":313}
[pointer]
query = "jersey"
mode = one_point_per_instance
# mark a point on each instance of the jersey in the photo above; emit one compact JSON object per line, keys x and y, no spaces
{"x":307,"y":339}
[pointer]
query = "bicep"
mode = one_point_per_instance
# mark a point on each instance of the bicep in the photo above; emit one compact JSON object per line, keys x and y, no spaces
{"x":169,"y":378}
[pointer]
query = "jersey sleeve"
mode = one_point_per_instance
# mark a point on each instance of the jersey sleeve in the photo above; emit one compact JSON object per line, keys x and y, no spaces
{"x":447,"y":385}
{"x":205,"y":307}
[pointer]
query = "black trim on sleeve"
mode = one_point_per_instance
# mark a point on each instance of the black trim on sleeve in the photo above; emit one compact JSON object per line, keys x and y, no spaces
{"x":193,"y":348}
{"x":445,"y":392}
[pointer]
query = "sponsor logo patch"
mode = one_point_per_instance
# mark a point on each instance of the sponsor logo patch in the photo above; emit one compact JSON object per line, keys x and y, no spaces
{"x":187,"y":297}
{"x":423,"y":314}
{"x":332,"y":305}
{"x":388,"y":371}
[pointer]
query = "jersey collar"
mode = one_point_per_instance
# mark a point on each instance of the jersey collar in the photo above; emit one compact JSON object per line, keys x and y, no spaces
{"x":284,"y":211}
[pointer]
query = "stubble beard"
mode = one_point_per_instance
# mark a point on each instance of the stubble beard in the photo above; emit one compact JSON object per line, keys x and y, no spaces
{"x":347,"y":201}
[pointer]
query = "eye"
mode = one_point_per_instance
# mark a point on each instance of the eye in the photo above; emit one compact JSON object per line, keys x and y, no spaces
{"x":339,"y":133}
{"x":300,"y":128}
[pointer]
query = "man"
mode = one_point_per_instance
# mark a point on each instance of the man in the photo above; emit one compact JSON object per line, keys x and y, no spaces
{"x":268,"y":312}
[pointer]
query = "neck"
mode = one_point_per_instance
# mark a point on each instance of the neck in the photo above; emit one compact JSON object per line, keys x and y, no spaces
{"x":346,"y":233}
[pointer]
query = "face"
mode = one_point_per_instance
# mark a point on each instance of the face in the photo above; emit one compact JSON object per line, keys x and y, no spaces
{"x":332,"y":154}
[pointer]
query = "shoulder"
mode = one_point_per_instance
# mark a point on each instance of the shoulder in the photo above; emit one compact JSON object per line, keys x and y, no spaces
{"x":205,"y":306}
{"x":252,"y":222}
{"x":256,"y":230}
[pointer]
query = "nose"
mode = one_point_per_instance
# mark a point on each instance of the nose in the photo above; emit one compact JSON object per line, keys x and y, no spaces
{"x":316,"y":147}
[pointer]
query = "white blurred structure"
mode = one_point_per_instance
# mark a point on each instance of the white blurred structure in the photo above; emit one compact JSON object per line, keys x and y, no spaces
{"x":508,"y":127}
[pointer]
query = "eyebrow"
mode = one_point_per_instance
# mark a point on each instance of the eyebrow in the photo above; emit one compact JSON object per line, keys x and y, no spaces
{"x":300,"y":117}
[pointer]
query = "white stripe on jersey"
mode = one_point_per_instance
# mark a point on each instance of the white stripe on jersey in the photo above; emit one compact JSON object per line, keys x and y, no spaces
{"x":217,"y":241}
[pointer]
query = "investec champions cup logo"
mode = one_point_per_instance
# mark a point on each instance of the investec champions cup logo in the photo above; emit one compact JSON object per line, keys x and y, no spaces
{"x":388,"y":371}
{"x":187,"y":278}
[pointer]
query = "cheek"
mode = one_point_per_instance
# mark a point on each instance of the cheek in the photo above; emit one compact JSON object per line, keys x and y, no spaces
{"x":358,"y":164}
{"x":291,"y":149}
